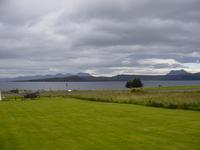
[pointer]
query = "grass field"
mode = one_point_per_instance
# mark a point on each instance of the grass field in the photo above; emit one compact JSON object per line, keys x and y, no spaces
{"x":177,"y":97}
{"x":67,"y":123}
{"x":171,"y":88}
{"x":167,"y":99}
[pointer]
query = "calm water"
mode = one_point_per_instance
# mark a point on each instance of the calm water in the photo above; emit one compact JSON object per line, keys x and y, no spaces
{"x":85,"y":85}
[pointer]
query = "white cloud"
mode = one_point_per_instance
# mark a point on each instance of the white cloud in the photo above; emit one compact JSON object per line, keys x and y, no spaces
{"x":155,"y":61}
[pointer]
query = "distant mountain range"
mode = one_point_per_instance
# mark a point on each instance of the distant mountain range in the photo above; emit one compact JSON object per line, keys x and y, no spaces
{"x":179,"y":72}
{"x":41,"y":77}
{"x":83,"y":77}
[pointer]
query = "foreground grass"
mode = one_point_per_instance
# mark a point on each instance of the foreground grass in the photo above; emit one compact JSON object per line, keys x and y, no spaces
{"x":66,"y":123}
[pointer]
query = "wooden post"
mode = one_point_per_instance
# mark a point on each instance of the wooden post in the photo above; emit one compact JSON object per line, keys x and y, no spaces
{"x":0,"y":96}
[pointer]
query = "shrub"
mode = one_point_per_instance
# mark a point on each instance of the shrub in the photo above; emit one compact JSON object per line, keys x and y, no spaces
{"x":137,"y":90}
{"x":135,"y":83}
{"x":172,"y":106}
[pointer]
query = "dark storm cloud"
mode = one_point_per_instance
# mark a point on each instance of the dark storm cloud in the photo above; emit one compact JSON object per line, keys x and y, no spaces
{"x":98,"y":36}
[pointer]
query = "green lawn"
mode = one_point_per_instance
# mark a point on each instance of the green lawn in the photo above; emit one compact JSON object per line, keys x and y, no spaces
{"x":71,"y":124}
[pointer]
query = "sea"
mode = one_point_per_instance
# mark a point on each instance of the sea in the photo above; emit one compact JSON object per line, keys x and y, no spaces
{"x":114,"y":85}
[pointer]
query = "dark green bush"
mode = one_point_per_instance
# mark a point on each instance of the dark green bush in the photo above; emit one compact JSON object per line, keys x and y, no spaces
{"x":137,"y":90}
{"x":135,"y":83}
{"x":172,"y":106}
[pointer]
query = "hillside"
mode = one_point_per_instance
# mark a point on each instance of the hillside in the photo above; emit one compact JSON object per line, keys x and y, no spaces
{"x":172,"y":75}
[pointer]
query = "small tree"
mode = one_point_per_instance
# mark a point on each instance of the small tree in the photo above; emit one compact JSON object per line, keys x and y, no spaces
{"x":135,"y":83}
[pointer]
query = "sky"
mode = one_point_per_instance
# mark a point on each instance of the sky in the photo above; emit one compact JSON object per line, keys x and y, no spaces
{"x":100,"y":37}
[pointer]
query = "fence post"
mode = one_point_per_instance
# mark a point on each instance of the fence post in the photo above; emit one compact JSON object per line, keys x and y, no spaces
{"x":0,"y":96}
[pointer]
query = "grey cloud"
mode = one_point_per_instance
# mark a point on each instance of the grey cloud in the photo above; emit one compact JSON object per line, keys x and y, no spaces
{"x":97,"y":36}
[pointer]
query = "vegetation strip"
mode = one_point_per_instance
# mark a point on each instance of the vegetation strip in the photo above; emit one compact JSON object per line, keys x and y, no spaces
{"x":172,"y":100}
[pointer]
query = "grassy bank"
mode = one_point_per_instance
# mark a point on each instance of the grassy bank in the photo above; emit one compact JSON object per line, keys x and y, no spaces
{"x":174,"y":100}
{"x":171,"y":88}
{"x":178,"y":97}
{"x":66,"y":123}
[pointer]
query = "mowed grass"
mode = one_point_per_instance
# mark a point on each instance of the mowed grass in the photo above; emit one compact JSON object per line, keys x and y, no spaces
{"x":71,"y":124}
{"x":189,"y":100}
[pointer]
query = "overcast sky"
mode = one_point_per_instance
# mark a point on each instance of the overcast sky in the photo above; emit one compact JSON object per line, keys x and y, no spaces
{"x":101,"y":37}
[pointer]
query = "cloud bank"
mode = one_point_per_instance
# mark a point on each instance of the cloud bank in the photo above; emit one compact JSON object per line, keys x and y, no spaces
{"x":98,"y":36}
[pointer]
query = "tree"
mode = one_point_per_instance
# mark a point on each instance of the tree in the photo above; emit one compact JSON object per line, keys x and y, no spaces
{"x":135,"y":83}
